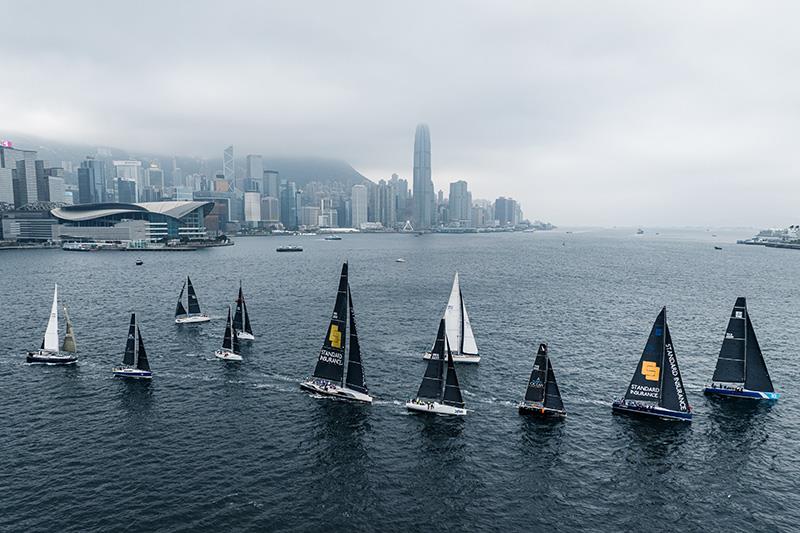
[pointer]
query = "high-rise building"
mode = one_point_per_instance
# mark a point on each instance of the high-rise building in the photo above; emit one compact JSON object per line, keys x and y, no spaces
{"x":271,"y":183}
{"x":288,"y":200}
{"x":154,"y":177}
{"x":6,"y":186}
{"x":270,"y":210}
{"x":27,"y":188}
{"x":92,"y":181}
{"x":459,"y":204}
{"x":507,"y":211}
{"x":423,"y":186}
{"x":229,"y":167}
{"x":309,"y":216}
{"x":387,"y":203}
{"x":126,"y":191}
{"x":130,"y":170}
{"x":255,"y":167}
{"x":252,"y":208}
{"x":359,"y":206}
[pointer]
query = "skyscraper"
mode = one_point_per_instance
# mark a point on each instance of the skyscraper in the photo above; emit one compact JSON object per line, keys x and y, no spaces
{"x":255,"y":172}
{"x":91,"y":181}
{"x":228,"y":167}
{"x":359,"y":205}
{"x":459,"y":203}
{"x":423,"y":186}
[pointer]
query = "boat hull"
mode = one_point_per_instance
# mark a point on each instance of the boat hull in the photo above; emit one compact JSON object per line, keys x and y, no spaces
{"x":245,"y":336}
{"x":741,"y":393}
{"x":227,"y":355}
{"x":459,"y":358}
{"x":540,"y":411}
{"x":335,"y":391}
{"x":435,"y":408}
{"x":50,"y":358}
{"x":132,"y":373}
{"x":195,"y":319}
{"x":650,"y":412}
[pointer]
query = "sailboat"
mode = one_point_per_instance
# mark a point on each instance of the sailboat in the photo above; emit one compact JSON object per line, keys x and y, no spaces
{"x":230,"y":343}
{"x":542,"y":397}
{"x":330,"y":377}
{"x":459,"y":330}
{"x":241,"y":320}
{"x":48,"y":353}
{"x":194,"y":315}
{"x":439,"y":394}
{"x":134,"y":362}
{"x":656,"y":388}
{"x":741,"y":370}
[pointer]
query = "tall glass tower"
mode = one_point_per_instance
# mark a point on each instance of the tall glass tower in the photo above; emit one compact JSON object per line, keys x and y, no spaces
{"x":423,"y":186}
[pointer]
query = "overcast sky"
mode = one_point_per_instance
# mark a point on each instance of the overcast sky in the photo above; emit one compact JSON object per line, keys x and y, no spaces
{"x":592,"y":112}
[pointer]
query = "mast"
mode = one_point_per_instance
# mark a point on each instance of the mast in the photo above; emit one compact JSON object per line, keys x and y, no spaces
{"x":431,"y":386}
{"x":130,"y":344}
{"x":330,"y":363}
{"x":355,"y":369}
{"x":663,"y":356}
{"x":179,"y":309}
{"x":194,"y":304}
{"x":731,"y":363}
{"x":461,"y":309}
{"x":68,"y":345}
{"x":50,"y":342}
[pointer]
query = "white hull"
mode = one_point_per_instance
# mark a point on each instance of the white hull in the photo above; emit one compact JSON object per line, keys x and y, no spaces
{"x":458,"y":358}
{"x":435,"y":408}
{"x":227,"y":355}
{"x":245,"y":336}
{"x":134,"y":373}
{"x":42,"y":357}
{"x":335,"y":391}
{"x":196,"y":319}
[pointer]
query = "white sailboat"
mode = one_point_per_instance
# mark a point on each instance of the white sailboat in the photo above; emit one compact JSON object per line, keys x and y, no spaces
{"x":230,"y":343}
{"x":458,"y":328}
{"x":49,"y":353}
{"x":134,"y":362}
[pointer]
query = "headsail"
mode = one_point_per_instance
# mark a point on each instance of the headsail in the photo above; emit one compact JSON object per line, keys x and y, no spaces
{"x":180,"y":310}
{"x":237,"y":318}
{"x":50,"y":343}
{"x":535,"y":390}
{"x":645,"y":384}
{"x":468,"y":345}
{"x":452,"y":392}
{"x":247,"y":327}
{"x":757,"y":376}
{"x":141,"y":355}
{"x":431,"y":387}
{"x":227,"y":342}
{"x":68,"y":345}
{"x":552,"y":396}
{"x":731,"y":362}
{"x":194,"y":305}
{"x":355,"y":370}
{"x":673,"y":395}
{"x":130,"y":344}
{"x":330,"y":364}
{"x":235,"y":341}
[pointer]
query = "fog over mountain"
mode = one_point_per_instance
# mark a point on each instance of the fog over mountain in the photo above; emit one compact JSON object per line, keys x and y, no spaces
{"x":640,"y":113}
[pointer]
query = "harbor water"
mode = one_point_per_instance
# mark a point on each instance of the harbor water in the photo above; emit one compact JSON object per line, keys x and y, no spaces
{"x":215,"y":446}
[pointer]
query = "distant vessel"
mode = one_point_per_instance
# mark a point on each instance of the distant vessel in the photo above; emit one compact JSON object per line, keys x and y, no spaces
{"x":230,"y":343}
{"x":194,"y":315}
{"x":718,"y":247}
{"x":656,"y":388}
{"x":399,"y":260}
{"x":640,"y":231}
{"x":289,"y":249}
{"x":459,"y":330}
{"x":438,"y":394}
{"x":741,"y":371}
{"x":48,"y":353}
{"x":241,"y":320}
{"x":333,"y":238}
{"x":330,"y":378}
{"x":134,"y":362}
{"x":139,"y":262}
{"x":542,"y":397}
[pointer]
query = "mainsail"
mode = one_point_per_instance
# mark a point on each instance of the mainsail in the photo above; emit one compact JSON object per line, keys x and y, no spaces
{"x":194,"y":305}
{"x":180,"y":310}
{"x":355,"y":370}
{"x":235,"y":341}
{"x":535,"y":390}
{"x":130,"y":344}
{"x":431,"y":387}
{"x":459,"y":329}
{"x":452,"y":392}
{"x":68,"y":345}
{"x":731,"y":362}
{"x":141,"y":355}
{"x":50,"y":343}
{"x":227,"y":341}
{"x":756,"y":375}
{"x":241,"y":320}
{"x":330,"y":364}
{"x":552,"y":396}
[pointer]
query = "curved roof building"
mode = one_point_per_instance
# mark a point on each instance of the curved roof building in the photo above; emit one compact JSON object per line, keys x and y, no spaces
{"x":147,"y":221}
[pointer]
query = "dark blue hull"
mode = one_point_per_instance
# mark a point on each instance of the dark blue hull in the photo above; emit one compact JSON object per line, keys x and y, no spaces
{"x":652,"y":412}
{"x":741,"y":393}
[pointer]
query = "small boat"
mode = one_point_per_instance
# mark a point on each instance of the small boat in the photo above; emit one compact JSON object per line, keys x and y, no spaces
{"x":49,"y":353}
{"x":718,"y":247}
{"x":230,"y":342}
{"x":459,"y":330}
{"x":134,"y":362}
{"x":333,"y":238}
{"x":290,"y":248}
{"x":542,"y":397}
{"x":330,"y":378}
{"x":241,"y":320}
{"x":656,"y":389}
{"x":194,"y":316}
{"x":437,"y":394}
{"x":741,"y":371}
{"x":399,"y":260}
{"x":640,"y":231}
{"x":139,"y":262}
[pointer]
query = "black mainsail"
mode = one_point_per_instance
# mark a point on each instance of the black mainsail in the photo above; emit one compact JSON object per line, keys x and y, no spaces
{"x":355,"y":370}
{"x":130,"y":345}
{"x":241,"y":320}
{"x":227,"y":340}
{"x":141,"y":355}
{"x":180,"y":310}
{"x":452,"y":392}
{"x":330,"y":365}
{"x":535,"y":390}
{"x":194,"y":305}
{"x":431,"y":386}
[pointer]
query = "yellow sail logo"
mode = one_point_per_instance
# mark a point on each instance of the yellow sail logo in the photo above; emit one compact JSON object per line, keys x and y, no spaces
{"x":650,"y":370}
{"x":336,"y":337}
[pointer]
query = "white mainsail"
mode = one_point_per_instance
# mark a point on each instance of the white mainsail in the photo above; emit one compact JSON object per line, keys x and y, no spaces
{"x":51,"y":334}
{"x":457,"y":326}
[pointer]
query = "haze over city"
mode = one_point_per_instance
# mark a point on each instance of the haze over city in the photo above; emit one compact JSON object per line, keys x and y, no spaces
{"x":589,"y":114}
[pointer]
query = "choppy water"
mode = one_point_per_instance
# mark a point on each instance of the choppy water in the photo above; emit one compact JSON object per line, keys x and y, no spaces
{"x":207,"y":446}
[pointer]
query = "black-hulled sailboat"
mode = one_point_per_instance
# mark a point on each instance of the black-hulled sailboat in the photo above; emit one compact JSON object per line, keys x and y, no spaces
{"x":741,"y":371}
{"x":49,"y":353}
{"x":439,"y":393}
{"x":241,"y":320}
{"x":542,"y":397}
{"x":459,"y":329}
{"x":230,"y":342}
{"x":656,"y":388}
{"x":333,"y":376}
{"x":194,"y":315}
{"x":134,"y":362}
